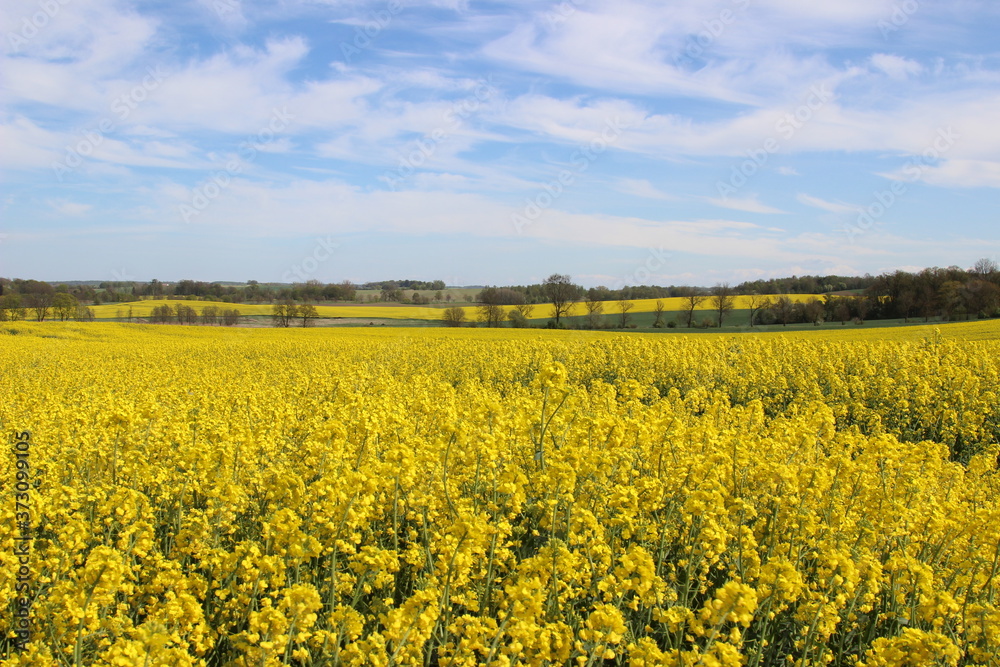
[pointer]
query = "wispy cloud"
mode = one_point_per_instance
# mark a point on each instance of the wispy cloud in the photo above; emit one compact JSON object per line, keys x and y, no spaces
{"x":640,"y":187}
{"x":748,"y":204}
{"x":830,"y":206}
{"x":454,"y":115}
{"x":70,"y":208}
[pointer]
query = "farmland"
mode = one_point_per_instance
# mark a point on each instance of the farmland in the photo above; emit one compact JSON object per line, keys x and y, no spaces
{"x":399,"y":496}
{"x":542,"y":311}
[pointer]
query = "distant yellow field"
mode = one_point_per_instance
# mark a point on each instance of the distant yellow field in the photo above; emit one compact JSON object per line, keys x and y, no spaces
{"x":985,"y":330}
{"x":145,"y":308}
{"x":870,"y":331}
{"x":428,"y":313}
{"x":981,"y":330}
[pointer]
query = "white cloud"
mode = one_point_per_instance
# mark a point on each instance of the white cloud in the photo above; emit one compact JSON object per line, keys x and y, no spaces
{"x":687,"y":120}
{"x":896,"y":67}
{"x":308,"y":207}
{"x":957,"y":174}
{"x":68,"y":208}
{"x":26,"y":145}
{"x":748,"y":204}
{"x":822,"y":204}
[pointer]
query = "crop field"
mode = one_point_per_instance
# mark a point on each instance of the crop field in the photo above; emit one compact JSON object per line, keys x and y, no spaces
{"x":542,"y":311}
{"x":389,"y":496}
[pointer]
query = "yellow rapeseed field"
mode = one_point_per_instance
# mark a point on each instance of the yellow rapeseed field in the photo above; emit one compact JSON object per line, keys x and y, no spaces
{"x":400,"y":312}
{"x":263,"y":497}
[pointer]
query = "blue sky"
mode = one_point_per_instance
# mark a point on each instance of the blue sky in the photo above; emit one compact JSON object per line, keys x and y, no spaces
{"x":618,"y":141}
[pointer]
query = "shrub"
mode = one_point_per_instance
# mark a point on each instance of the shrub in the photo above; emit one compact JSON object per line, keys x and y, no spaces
{"x":454,"y":316}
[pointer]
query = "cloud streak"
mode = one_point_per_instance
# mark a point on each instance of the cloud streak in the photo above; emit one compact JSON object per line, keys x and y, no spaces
{"x":732,"y":92}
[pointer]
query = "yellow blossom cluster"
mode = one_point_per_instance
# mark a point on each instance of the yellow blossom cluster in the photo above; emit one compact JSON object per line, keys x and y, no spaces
{"x":410,"y":497}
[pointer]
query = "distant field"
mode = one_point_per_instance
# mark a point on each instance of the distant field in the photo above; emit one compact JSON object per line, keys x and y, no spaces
{"x":371,"y":311}
{"x":541,"y":311}
{"x":642,"y":316}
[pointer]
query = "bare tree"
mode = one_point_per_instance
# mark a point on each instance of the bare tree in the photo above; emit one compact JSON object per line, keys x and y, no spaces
{"x":784,"y":310}
{"x":562,"y":293}
{"x":624,"y":306}
{"x":210,"y":315}
{"x":691,"y":301}
{"x":40,"y":304}
{"x":723,"y":301}
{"x":658,"y":308}
{"x":283,"y":312}
{"x":755,"y":304}
{"x":491,"y":301}
{"x":985,"y":268}
{"x":308,"y":314}
{"x":526,"y":309}
{"x":230,"y":317}
{"x":594,"y":310}
{"x":491,"y":314}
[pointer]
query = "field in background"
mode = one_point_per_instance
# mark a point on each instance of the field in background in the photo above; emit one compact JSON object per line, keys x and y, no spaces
{"x":542,"y":311}
{"x":984,"y":330}
{"x":642,"y":316}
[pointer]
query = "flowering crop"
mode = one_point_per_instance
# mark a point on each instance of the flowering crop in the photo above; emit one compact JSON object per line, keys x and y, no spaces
{"x":396,"y":312}
{"x":429,"y":496}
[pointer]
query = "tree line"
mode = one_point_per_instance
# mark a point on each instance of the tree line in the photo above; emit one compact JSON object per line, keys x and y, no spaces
{"x":40,"y":301}
{"x":948,"y":294}
{"x":184,"y":314}
{"x":394,"y":291}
